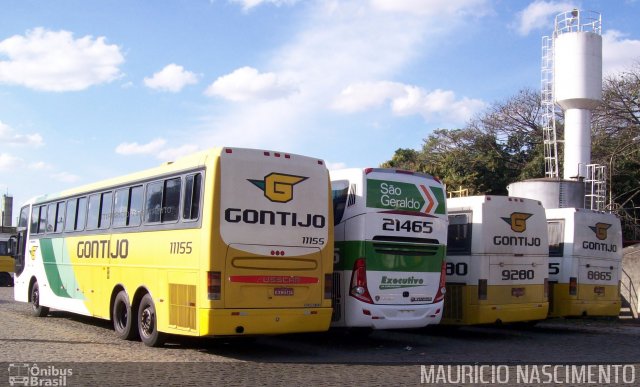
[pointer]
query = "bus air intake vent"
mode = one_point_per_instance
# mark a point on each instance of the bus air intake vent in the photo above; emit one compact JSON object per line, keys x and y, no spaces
{"x":337,"y":297}
{"x":404,"y":248}
{"x":182,"y":306}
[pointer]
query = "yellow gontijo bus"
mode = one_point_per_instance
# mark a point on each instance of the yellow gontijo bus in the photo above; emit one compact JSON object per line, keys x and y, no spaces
{"x":225,"y":242}
{"x":585,"y":262}
{"x":6,"y":262}
{"x":497,"y":258}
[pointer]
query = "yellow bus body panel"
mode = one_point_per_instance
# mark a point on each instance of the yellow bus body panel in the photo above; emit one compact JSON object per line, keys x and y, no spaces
{"x":500,"y":305}
{"x":605,"y":302}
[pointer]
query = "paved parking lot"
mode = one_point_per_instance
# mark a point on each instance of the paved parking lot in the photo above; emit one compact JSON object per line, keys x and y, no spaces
{"x":89,"y":348}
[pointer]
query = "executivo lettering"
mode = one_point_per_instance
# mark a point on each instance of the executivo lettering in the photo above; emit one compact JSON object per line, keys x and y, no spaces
{"x":396,"y":283}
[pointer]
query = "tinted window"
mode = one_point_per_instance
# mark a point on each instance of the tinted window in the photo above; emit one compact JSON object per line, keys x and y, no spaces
{"x":24,"y":217}
{"x":191,"y":207}
{"x":153,"y":205}
{"x":51,"y":216}
{"x":3,"y":248}
{"x":135,"y":206}
{"x":105,"y":210}
{"x":70,"y":221}
{"x":120,"y":207}
{"x":339,"y":191}
{"x":94,"y":212}
{"x":81,"y":217}
{"x":171,"y":200}
{"x":459,"y":235}
{"x":60,"y":209}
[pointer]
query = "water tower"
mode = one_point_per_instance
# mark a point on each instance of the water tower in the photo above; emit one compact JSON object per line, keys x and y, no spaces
{"x":572,"y":80}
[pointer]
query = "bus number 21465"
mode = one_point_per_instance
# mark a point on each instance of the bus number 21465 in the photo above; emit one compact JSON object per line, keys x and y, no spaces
{"x":417,"y":226}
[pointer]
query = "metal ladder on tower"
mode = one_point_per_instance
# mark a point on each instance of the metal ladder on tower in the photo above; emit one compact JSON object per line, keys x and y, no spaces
{"x":548,"y":110}
{"x":595,"y":196}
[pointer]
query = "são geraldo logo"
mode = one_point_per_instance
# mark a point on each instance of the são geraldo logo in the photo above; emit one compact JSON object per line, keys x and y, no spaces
{"x":278,"y":187}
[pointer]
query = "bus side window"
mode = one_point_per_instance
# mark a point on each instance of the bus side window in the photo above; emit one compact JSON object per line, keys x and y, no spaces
{"x":339,"y":192}
{"x":135,"y":206}
{"x":70,"y":219}
{"x":51,"y":217}
{"x":38,"y":219}
{"x":106,"y":203}
{"x":459,"y":235}
{"x":153,"y":204}
{"x":556,"y":236}
{"x":60,"y":215}
{"x":191,"y":205}
{"x":171,"y":200}
{"x":94,"y":212}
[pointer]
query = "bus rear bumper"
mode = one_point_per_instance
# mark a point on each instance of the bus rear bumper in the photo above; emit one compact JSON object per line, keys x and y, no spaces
{"x":234,"y":322}
{"x":394,"y":316}
{"x":507,"y":313}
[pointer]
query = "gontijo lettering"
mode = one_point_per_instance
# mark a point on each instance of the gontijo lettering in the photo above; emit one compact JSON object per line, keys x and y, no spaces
{"x":103,"y":248}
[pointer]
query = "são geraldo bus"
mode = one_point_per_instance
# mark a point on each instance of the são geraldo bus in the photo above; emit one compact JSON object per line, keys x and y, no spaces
{"x":497,"y":259}
{"x":585,"y":262}
{"x":390,"y":237}
{"x":224,"y":242}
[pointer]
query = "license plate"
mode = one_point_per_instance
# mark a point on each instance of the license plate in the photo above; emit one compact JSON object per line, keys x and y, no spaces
{"x":599,"y":290}
{"x":517,"y":292}
{"x":283,"y":292}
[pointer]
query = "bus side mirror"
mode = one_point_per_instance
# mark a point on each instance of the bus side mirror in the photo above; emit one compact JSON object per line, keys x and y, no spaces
{"x":12,"y":246}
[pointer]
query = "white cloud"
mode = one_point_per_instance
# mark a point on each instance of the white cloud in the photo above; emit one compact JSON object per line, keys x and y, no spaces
{"x":133,"y":148}
{"x":171,"y":78}
{"x":247,"y":83}
{"x":407,"y":100}
{"x":65,"y":177}
{"x":339,"y":43}
{"x":40,"y":166}
{"x":540,"y":15}
{"x":8,"y":161}
{"x":55,"y":61}
{"x":618,"y":53}
{"x":9,"y":136}
{"x":248,"y":4}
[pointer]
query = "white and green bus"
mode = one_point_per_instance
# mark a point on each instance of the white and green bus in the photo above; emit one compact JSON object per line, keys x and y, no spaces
{"x":390,"y":236}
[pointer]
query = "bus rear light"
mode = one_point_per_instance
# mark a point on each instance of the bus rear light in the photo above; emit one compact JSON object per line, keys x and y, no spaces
{"x":214,"y":285}
{"x":328,"y":286}
{"x":366,"y":312}
{"x":227,"y":150}
{"x":546,"y":288}
{"x":441,"y":286}
{"x":573,"y":286}
{"x":358,"y":287}
{"x":482,"y":289}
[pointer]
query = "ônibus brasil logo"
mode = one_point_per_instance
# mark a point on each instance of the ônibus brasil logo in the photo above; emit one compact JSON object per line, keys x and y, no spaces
{"x":278,"y":187}
{"x":518,"y":221}
{"x":601,"y":230}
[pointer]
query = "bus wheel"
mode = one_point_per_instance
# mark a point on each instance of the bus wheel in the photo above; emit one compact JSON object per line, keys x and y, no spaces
{"x":148,"y":323}
{"x":37,"y":309}
{"x":123,"y":320}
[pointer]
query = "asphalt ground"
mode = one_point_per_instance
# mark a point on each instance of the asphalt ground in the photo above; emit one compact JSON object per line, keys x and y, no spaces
{"x":67,"y":349}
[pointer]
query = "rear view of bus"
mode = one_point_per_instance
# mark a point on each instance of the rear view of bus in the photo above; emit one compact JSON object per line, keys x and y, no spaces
{"x":390,"y":237}
{"x":496,"y":261}
{"x":275,"y":245}
{"x":585,"y":262}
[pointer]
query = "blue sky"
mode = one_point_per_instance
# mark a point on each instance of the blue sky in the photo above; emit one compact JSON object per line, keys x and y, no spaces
{"x":92,"y":90}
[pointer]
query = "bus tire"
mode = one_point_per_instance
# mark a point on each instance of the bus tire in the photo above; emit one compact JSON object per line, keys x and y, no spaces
{"x":34,"y":298}
{"x":148,"y":323}
{"x":123,"y":320}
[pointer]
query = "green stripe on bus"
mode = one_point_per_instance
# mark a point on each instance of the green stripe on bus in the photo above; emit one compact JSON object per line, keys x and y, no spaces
{"x":58,"y":268}
{"x":390,"y":256}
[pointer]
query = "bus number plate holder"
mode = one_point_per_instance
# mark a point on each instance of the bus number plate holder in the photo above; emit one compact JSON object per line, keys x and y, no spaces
{"x":283,"y":292}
